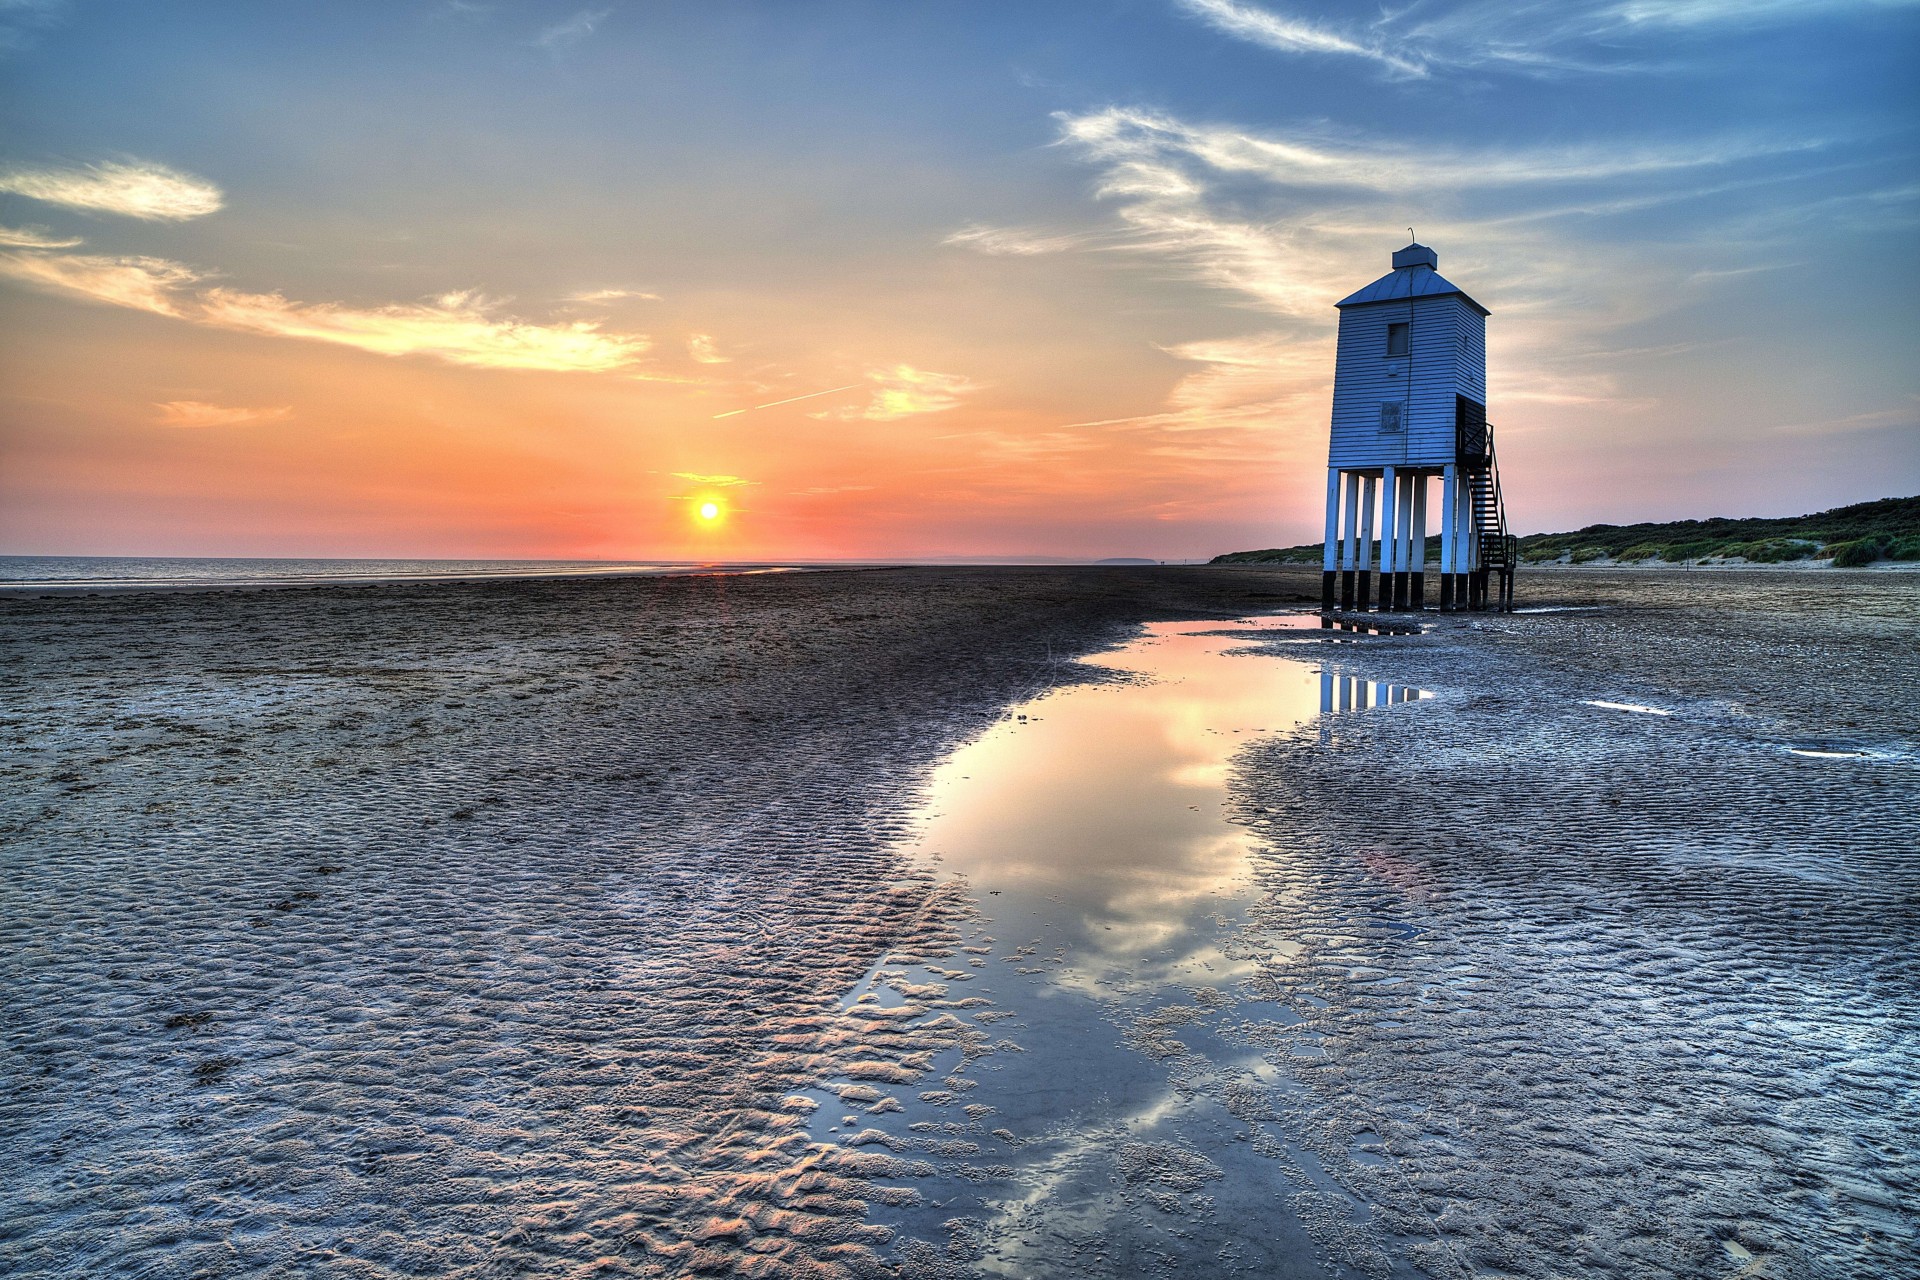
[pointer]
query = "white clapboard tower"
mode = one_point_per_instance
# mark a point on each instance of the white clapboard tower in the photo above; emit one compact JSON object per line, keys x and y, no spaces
{"x":1409,"y":407}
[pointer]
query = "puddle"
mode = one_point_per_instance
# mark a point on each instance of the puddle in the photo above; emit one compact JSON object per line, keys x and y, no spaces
{"x":1091,"y":826}
{"x":1094,"y":814}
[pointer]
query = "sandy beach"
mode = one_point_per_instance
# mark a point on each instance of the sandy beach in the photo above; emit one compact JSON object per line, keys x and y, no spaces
{"x":587,"y":927}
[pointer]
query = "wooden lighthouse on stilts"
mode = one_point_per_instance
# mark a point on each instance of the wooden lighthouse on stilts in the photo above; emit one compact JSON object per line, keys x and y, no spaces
{"x":1409,"y":407}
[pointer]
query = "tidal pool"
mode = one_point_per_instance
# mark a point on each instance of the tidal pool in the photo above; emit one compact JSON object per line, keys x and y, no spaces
{"x":1095,"y":812}
{"x":1091,"y":824}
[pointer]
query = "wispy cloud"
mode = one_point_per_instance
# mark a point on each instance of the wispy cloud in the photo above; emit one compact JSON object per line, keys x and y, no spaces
{"x":1140,"y":144}
{"x":459,"y":328}
{"x":902,"y":391}
{"x":701,"y":347}
{"x":822,"y":490}
{"x":21,"y":20}
{"x":1267,"y":372}
{"x":713,"y":482}
{"x":1293,"y":35}
{"x":198,"y":413}
{"x":809,"y":395}
{"x":36,"y":238}
{"x":564,"y":35}
{"x":1011,"y":241}
{"x":611,"y":295}
{"x":144,"y":284}
{"x":1905,"y":417}
{"x":1589,"y":37}
{"x":1180,"y":190}
{"x":1234,"y":405}
{"x":1287,"y":222}
{"x":1735,"y":12}
{"x":136,"y":189}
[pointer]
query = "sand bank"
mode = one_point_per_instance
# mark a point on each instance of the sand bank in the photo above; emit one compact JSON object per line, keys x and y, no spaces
{"x":515,"y":928}
{"x":482,"y":926}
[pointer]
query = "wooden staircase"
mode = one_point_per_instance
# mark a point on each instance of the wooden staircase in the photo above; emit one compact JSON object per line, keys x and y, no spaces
{"x":1499,"y":550}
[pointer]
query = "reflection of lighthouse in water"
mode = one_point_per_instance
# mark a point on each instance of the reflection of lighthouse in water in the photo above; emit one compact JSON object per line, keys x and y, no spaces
{"x":1353,"y":693}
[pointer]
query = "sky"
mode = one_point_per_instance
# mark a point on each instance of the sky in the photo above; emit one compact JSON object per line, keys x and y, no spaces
{"x":882,"y":278}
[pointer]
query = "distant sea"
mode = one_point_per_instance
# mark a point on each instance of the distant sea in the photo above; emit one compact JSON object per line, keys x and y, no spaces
{"x":119,"y":573}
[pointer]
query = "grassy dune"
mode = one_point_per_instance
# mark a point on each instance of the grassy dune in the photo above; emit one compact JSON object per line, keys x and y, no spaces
{"x":1861,"y":534}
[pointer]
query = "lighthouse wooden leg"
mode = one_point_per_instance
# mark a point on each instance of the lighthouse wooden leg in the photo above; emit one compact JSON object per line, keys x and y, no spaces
{"x":1389,"y":526}
{"x":1363,"y":578}
{"x":1397,"y":591}
{"x":1332,"y":543}
{"x":1447,"y":539}
{"x":1393,"y":596}
{"x":1350,"y":541}
{"x":1479,"y":545}
{"x":1417,"y":588}
{"x":1477,"y":573}
{"x":1404,"y":570}
{"x":1463,"y":542}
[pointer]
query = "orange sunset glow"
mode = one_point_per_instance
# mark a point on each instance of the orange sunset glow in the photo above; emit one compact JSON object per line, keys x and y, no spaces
{"x":935,"y":287}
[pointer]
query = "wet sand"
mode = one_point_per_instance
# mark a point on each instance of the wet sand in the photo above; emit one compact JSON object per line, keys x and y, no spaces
{"x":517,"y":928}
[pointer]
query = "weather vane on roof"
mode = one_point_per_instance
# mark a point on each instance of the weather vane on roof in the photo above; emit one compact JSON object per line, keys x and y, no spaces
{"x":1411,"y":236}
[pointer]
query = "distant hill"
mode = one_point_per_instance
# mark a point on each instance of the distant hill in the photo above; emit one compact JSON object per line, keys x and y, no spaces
{"x":1863,"y":533}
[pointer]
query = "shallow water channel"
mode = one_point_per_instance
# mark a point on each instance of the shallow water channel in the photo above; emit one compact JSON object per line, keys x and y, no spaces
{"x":1091,"y":826}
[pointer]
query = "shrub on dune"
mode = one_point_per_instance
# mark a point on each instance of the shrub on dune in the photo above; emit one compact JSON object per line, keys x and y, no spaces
{"x":1770,"y":550}
{"x":1860,"y":551}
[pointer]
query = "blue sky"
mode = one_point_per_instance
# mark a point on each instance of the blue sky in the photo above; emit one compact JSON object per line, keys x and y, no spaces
{"x":465,"y":278}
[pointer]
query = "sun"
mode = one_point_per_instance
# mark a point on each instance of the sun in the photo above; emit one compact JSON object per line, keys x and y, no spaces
{"x":708,"y":512}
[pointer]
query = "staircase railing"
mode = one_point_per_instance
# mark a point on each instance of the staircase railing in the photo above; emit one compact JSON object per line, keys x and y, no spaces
{"x":1499,"y":548}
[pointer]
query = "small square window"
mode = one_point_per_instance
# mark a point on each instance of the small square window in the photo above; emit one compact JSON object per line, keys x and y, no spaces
{"x":1393,"y":416}
{"x":1397,"y":339}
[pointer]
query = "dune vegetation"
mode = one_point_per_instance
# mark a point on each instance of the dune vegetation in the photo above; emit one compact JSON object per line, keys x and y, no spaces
{"x":1848,"y":537}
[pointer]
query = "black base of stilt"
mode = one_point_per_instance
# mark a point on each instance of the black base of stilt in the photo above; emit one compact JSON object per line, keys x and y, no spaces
{"x":1417,"y":592}
{"x":1446,"y":593}
{"x":1363,"y":589}
{"x":1326,"y":589}
{"x":1346,"y":588}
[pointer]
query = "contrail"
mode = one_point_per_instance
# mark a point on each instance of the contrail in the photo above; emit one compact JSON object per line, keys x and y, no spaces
{"x":790,"y":399}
